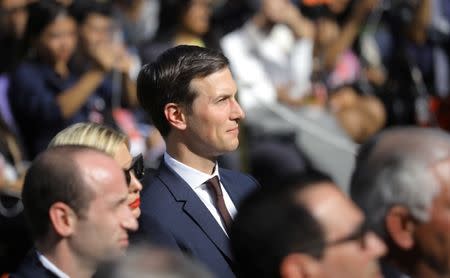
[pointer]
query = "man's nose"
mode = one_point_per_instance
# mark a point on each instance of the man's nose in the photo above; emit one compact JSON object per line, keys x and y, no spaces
{"x":237,"y":112}
{"x":129,"y":222}
{"x":375,"y":245}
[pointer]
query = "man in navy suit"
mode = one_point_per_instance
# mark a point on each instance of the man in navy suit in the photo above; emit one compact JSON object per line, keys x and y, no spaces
{"x":75,"y":200}
{"x":191,"y":96}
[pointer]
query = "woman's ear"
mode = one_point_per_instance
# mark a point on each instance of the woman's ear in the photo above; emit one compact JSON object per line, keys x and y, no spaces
{"x":400,"y":226}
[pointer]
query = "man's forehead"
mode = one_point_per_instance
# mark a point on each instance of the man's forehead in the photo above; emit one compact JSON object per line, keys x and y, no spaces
{"x":98,"y":168}
{"x":442,"y":169}
{"x":334,"y":211}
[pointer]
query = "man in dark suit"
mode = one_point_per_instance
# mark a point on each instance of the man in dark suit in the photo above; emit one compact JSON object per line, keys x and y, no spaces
{"x":191,"y":97}
{"x":306,"y":227}
{"x":75,"y":200}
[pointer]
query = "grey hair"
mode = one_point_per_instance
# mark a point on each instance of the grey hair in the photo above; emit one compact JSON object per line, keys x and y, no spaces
{"x":394,"y":169}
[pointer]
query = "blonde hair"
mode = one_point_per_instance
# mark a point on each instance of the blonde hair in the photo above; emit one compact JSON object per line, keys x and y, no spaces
{"x":92,"y":135}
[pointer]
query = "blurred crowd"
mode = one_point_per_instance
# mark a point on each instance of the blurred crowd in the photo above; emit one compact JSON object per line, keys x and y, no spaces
{"x":370,"y":64}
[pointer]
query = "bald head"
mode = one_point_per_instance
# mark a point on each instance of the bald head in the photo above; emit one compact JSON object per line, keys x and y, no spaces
{"x":62,"y":174}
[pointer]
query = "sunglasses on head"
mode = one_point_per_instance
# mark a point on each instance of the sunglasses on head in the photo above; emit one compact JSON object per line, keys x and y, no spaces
{"x":137,"y":168}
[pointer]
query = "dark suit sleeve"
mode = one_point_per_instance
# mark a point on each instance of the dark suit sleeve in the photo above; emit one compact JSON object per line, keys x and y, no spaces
{"x":150,"y":231}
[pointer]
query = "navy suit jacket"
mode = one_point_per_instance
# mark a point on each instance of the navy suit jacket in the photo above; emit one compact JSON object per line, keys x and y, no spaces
{"x":183,"y":221}
{"x":31,"y":267}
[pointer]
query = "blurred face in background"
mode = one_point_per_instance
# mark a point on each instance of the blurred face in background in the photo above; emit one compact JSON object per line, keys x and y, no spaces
{"x":338,"y":6}
{"x":96,"y":29}
{"x":13,"y":17}
{"x":432,"y":237}
{"x":196,"y":18}
{"x":58,"y":40}
{"x":351,"y":250}
{"x":327,"y":32}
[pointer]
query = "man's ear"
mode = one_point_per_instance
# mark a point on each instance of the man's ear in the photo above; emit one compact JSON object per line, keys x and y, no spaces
{"x":298,"y":265}
{"x":400,"y":225}
{"x":175,"y":115}
{"x":63,"y":219}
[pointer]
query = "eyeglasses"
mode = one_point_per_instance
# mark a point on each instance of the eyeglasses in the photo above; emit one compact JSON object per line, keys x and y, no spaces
{"x":358,"y":235}
{"x":137,"y":167}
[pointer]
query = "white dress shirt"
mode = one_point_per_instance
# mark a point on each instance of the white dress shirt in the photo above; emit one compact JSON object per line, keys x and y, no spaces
{"x":51,"y":267}
{"x":196,"y":181}
{"x":261,"y":62}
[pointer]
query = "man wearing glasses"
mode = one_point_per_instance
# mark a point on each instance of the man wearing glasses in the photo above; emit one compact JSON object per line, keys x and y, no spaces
{"x":306,"y":228}
{"x":402,"y":182}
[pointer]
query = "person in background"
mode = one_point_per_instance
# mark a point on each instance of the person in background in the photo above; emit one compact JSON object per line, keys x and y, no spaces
{"x":138,"y":20}
{"x":402,"y":183}
{"x":116,"y":145}
{"x":305,"y":227}
{"x":75,"y":200}
{"x":44,"y":94}
{"x":13,"y":19}
{"x":98,"y":32}
{"x":350,"y":81}
{"x":181,"y":22}
{"x":15,"y":240}
{"x":271,"y":55}
{"x":191,"y":97}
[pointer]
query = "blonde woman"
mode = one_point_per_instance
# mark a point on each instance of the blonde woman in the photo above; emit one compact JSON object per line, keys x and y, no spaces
{"x":115,"y":144}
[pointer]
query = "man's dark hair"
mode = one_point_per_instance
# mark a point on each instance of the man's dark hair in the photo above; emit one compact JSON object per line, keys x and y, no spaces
{"x":81,"y":9}
{"x":272,"y":223}
{"x":54,"y":176}
{"x":269,"y":227}
{"x":302,"y":180}
{"x":168,"y":79}
{"x":171,"y":15}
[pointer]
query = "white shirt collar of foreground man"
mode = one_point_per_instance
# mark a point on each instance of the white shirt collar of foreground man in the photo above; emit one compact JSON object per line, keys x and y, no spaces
{"x":196,"y":180}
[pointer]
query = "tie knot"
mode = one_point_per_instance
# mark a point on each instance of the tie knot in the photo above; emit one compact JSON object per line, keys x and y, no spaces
{"x":214,"y":184}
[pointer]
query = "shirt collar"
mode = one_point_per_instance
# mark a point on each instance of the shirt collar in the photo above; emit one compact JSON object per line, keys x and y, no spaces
{"x":50,"y":266}
{"x":191,"y":176}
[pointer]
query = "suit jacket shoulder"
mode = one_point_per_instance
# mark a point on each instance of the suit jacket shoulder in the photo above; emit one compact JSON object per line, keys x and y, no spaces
{"x":184,"y":223}
{"x":31,"y":267}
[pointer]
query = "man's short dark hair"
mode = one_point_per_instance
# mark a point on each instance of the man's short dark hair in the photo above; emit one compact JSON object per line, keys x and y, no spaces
{"x":81,"y":9}
{"x":168,"y":79}
{"x":54,"y":176}
{"x":272,"y":223}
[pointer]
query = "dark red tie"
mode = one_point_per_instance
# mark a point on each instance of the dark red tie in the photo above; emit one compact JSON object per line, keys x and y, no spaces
{"x":214,"y":185}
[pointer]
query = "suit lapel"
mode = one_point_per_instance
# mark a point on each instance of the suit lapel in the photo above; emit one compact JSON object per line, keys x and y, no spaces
{"x":195,"y":208}
{"x":233,"y":191}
